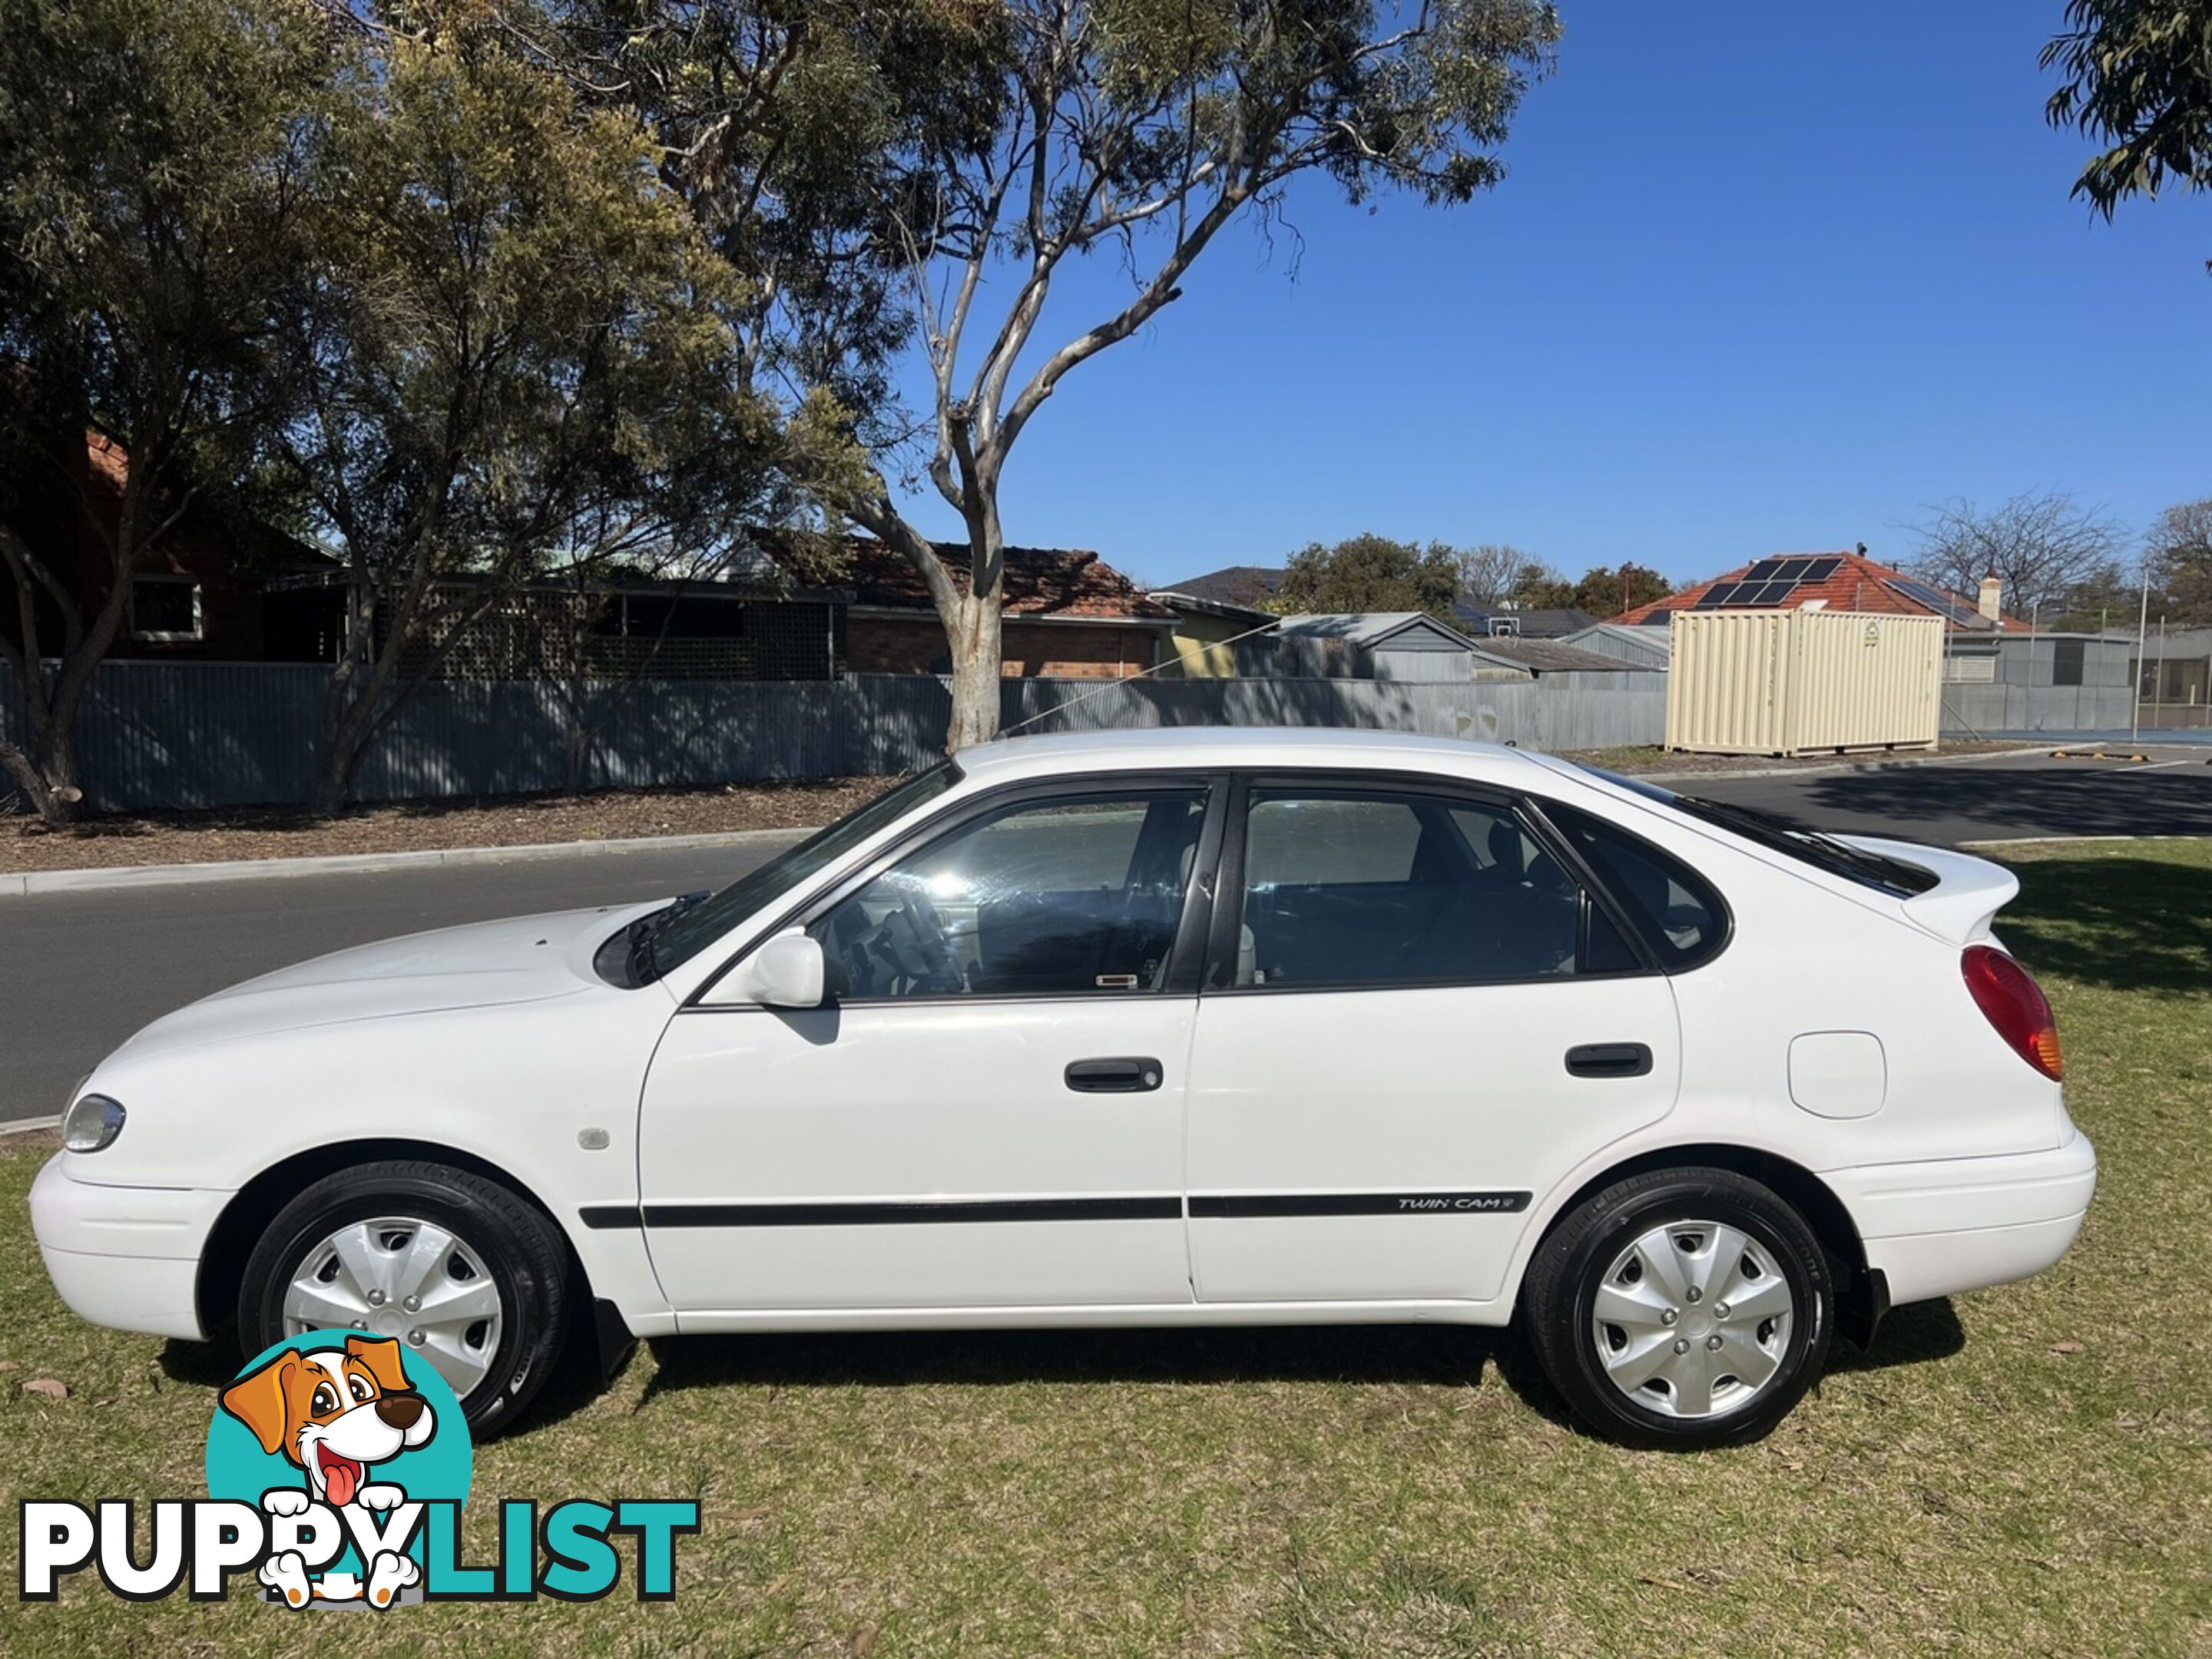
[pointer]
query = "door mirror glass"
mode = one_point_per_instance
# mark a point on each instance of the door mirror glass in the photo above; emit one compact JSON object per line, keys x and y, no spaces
{"x":1079,"y":895}
{"x":787,"y":972}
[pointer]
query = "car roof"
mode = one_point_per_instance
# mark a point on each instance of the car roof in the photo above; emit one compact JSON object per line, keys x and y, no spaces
{"x":1011,"y":757}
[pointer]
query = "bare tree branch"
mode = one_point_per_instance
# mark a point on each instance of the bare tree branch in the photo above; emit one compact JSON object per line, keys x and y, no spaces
{"x":2043,"y":546}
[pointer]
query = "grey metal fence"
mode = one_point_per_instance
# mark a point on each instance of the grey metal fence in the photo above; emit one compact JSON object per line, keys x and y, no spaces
{"x":1970,"y":709}
{"x":192,"y":734}
{"x":1560,"y":711}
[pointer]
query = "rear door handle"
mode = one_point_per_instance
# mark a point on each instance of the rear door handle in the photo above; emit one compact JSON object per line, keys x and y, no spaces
{"x":1609,"y":1059}
{"x":1113,"y":1077}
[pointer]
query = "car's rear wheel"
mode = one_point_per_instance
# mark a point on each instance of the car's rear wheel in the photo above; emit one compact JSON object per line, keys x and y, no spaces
{"x":469,"y":1278}
{"x":1682,"y":1307}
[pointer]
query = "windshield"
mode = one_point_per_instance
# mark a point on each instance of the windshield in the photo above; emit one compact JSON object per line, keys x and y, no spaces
{"x":679,"y":934}
{"x":1887,"y":875}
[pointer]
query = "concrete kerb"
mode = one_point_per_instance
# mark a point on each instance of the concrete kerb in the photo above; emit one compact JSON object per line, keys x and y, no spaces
{"x":36,"y":882}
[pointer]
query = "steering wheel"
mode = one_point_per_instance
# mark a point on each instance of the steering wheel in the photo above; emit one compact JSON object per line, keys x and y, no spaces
{"x":929,"y":936}
{"x":911,"y":942}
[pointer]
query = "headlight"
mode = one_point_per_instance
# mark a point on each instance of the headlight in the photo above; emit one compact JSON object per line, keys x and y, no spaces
{"x":91,"y":1124}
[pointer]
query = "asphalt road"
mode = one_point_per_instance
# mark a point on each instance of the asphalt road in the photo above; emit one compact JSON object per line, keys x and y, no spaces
{"x":2170,"y":794}
{"x":80,"y":972}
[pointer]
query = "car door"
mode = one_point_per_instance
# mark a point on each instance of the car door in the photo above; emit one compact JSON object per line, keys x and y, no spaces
{"x":1417,"y":1019}
{"x":986,"y":1112}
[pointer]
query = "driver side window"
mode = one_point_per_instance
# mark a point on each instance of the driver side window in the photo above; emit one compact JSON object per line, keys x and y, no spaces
{"x":1079,"y":895}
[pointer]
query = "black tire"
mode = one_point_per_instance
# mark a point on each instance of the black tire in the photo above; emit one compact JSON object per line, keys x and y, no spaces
{"x":1559,"y":1302}
{"x":521,"y":1249}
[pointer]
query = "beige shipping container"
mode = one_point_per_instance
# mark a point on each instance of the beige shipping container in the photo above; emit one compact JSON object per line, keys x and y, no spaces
{"x":1803,"y":682}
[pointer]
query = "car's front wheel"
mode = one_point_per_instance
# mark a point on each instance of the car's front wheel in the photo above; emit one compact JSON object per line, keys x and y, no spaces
{"x":1682,"y":1307}
{"x":469,"y":1278}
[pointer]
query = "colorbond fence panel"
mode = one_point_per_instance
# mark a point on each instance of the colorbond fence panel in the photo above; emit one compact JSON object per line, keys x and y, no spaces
{"x":197,"y":735}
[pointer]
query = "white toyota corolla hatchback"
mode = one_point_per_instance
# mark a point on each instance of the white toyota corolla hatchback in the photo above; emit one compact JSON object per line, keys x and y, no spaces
{"x":1211,"y":1028}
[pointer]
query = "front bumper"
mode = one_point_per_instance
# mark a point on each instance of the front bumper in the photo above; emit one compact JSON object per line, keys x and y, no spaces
{"x":126,"y":1257}
{"x":1933,"y":1229}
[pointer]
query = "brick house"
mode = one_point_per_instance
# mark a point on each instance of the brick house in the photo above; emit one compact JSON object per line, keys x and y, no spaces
{"x":614,"y":625}
{"x":197,"y":594}
{"x":1069,"y":615}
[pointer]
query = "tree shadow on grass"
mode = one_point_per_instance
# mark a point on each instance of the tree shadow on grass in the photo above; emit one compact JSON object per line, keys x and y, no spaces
{"x":2129,"y":924}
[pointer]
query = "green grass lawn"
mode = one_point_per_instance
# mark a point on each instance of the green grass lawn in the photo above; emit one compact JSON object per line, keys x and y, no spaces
{"x":1972,"y":1488}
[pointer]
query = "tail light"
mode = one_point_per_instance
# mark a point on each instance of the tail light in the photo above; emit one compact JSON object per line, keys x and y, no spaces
{"x":2014,"y":1004}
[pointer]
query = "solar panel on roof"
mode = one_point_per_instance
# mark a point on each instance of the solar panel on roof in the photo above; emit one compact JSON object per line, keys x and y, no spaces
{"x":1769,"y":582}
{"x":1934,"y":599}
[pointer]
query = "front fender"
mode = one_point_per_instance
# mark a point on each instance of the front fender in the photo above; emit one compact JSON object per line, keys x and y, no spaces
{"x":544,"y":1093}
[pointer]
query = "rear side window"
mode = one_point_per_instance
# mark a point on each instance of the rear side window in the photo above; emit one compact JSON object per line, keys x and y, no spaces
{"x":1344,"y":887}
{"x":1676,"y":910}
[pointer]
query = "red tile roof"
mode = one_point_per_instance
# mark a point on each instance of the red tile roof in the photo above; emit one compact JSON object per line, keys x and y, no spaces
{"x":1857,"y":584}
{"x":1041,"y":583}
{"x":109,"y":464}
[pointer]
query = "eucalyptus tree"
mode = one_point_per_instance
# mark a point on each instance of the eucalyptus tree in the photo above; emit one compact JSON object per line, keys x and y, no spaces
{"x":514,"y":356}
{"x":1141,"y":129}
{"x":907,"y":184}
{"x":2135,"y":75}
{"x":151,"y":156}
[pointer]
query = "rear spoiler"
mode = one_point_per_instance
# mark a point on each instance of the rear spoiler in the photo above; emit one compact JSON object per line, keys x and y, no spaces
{"x":1968,"y":892}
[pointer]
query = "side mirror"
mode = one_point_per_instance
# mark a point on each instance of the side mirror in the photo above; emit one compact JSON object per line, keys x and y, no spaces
{"x":787,"y":972}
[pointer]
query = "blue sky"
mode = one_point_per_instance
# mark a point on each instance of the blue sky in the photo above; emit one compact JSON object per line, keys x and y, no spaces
{"x":1763,"y":277}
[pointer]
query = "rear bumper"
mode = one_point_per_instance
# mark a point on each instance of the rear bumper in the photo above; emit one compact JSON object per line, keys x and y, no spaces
{"x":1957,"y":1224}
{"x":126,"y":1257}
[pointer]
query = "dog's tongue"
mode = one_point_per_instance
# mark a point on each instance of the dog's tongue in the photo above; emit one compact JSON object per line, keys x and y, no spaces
{"x":340,"y":1476}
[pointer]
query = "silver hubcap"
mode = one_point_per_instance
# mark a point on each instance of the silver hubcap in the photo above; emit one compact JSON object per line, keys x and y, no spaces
{"x":407,"y":1279}
{"x":1693,"y":1319}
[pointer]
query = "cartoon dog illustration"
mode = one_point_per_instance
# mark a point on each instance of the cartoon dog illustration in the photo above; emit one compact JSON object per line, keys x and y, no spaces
{"x":335,"y":1412}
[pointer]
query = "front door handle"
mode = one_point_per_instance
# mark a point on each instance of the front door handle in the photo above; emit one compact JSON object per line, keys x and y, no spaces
{"x":1113,"y":1077}
{"x":1609,"y":1059}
